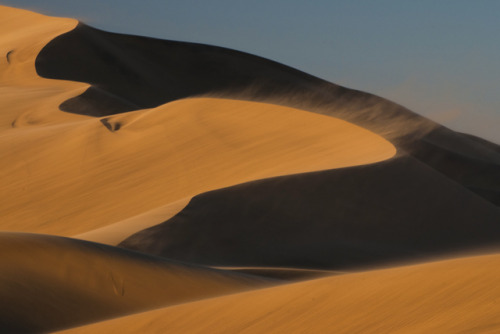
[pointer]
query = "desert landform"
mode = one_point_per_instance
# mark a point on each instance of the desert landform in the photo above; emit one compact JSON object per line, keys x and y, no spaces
{"x":154,"y":186}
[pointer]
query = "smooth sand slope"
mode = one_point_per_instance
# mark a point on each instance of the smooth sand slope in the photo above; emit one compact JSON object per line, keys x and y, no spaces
{"x":99,"y":171}
{"x":86,"y":173}
{"x":453,"y":296}
{"x":115,"y":233}
{"x":394,"y":210}
{"x":126,"y":75}
{"x":243,"y":163}
{"x":48,"y":282}
{"x":26,"y":98}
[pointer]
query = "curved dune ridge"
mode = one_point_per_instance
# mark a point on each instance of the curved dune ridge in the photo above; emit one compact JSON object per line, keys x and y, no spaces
{"x":184,"y":157}
{"x":126,"y":75}
{"x":453,"y":296}
{"x":360,"y":216}
{"x":99,"y":176}
{"x":48,"y":282}
{"x":149,"y":157}
{"x":28,"y":99}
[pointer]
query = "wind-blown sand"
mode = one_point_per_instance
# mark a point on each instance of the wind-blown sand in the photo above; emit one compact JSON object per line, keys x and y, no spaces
{"x":183,"y":156}
{"x":453,"y":296}
{"x":96,"y":176}
{"x":80,"y":164}
{"x":115,"y":233}
{"x":102,"y":171}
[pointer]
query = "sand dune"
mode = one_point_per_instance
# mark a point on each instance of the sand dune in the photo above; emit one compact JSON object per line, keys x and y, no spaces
{"x":27,"y":98}
{"x":351,"y":217}
{"x":152,"y":157}
{"x":454,"y":296}
{"x":95,"y":176}
{"x":283,"y":273}
{"x":126,"y":76}
{"x":48,"y":282}
{"x":199,"y":155}
{"x":115,"y":233}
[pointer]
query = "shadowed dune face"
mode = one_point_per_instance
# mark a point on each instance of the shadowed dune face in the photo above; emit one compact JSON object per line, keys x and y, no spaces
{"x":131,"y":72}
{"x":27,"y":98}
{"x":95,"y":172}
{"x":48,"y":283}
{"x":391,"y":211}
{"x":96,"y":176}
{"x":247,"y":165}
{"x":454,"y":296}
{"x":113,"y":234}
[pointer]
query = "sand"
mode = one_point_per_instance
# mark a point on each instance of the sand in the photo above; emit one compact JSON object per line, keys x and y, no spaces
{"x":132,"y":73}
{"x":115,"y":233}
{"x":138,"y":166}
{"x":159,"y":156}
{"x":452,"y":296}
{"x":48,"y":282}
{"x":392,"y":211}
{"x":150,"y":158}
{"x":26,"y":97}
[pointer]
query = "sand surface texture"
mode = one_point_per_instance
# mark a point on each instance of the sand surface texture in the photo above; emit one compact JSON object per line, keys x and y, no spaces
{"x":98,"y":171}
{"x":454,"y":296}
{"x":190,"y":185}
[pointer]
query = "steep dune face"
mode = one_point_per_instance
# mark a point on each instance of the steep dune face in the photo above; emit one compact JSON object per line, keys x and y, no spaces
{"x":86,"y":173}
{"x":113,"y":234}
{"x":241,"y":163}
{"x":391,"y":211}
{"x":130,"y":72}
{"x":454,"y":296}
{"x":27,"y":98}
{"x":100,"y":171}
{"x":48,"y":283}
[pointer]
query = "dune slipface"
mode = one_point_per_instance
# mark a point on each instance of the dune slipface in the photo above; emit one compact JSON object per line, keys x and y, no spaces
{"x":150,"y":158}
{"x":112,"y":168}
{"x":454,"y":296}
{"x":182,"y":157}
{"x":48,"y":282}
{"x":126,"y":76}
{"x":337,"y":219}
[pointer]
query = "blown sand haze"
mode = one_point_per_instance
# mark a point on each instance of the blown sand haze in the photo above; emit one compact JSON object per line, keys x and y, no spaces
{"x":96,"y":176}
{"x":96,"y":172}
{"x":147,"y":146}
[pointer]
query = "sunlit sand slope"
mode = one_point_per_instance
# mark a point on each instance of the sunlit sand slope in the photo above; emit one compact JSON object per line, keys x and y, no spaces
{"x":243,"y":163}
{"x":25,"y":97}
{"x":87,"y":174}
{"x":394,"y":210}
{"x":131,"y":72}
{"x":48,"y":282}
{"x":454,"y":296}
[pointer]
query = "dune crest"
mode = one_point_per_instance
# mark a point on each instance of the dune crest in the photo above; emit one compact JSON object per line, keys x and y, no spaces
{"x":80,"y":164}
{"x":126,"y":76}
{"x":30,"y":98}
{"x":452,"y":296}
{"x":115,"y":233}
{"x":48,"y":283}
{"x":98,"y":177}
{"x":209,"y":171}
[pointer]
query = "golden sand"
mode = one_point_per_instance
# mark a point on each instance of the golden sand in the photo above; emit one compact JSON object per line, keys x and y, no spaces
{"x":453,"y":296}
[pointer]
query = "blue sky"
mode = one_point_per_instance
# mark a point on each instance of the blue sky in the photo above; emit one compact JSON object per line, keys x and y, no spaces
{"x":438,"y":58}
